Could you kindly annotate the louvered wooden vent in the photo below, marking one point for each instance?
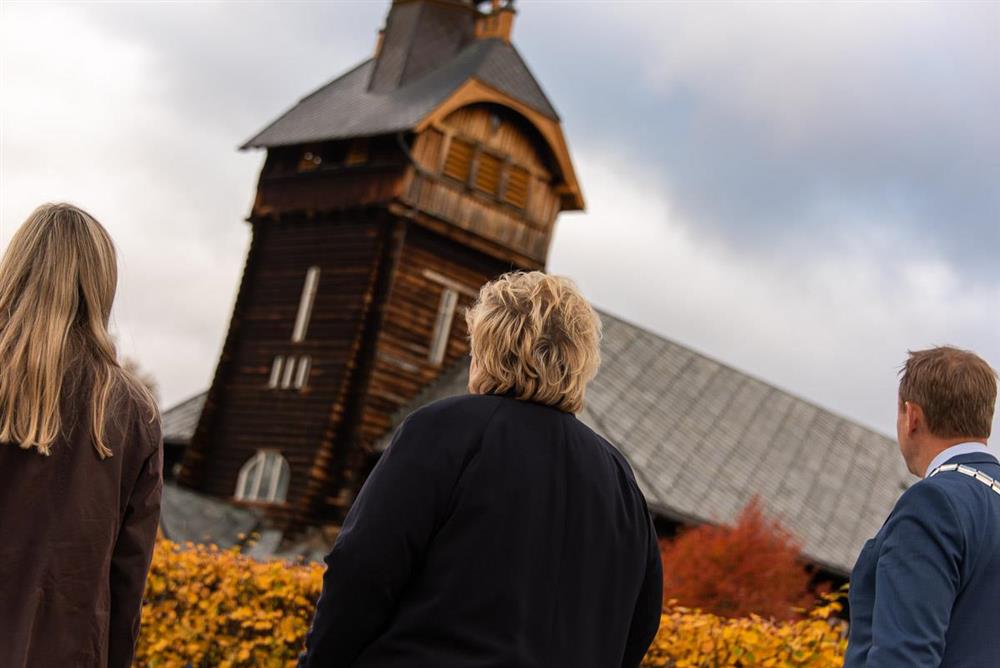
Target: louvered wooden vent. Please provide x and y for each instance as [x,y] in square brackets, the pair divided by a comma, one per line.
[488,173]
[516,192]
[459,160]
[491,172]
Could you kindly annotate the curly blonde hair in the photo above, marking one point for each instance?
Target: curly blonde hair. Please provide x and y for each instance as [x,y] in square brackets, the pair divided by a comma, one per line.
[536,337]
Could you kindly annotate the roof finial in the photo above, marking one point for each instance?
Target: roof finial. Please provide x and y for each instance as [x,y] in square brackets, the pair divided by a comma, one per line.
[498,22]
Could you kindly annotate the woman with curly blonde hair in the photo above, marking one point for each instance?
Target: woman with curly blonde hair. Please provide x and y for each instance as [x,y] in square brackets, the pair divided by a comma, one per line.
[497,529]
[80,453]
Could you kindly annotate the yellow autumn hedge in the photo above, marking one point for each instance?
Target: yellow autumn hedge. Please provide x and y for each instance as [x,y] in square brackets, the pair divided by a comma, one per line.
[693,639]
[207,607]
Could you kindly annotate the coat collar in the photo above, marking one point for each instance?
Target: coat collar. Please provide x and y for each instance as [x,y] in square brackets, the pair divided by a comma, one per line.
[959,449]
[973,458]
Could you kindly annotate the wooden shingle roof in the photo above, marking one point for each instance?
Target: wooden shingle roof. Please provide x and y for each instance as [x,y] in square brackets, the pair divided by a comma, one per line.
[346,107]
[703,438]
[179,422]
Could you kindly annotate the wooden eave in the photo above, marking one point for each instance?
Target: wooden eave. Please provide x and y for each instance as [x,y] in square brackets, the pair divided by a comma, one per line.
[475,91]
[468,238]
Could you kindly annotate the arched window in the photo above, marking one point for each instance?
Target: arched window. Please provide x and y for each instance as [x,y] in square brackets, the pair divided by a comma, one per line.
[264,478]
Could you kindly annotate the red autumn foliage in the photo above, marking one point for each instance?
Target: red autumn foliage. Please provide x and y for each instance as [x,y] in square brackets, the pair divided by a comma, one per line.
[751,567]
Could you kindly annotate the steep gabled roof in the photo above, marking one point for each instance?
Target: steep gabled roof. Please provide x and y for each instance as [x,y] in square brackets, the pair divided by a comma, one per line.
[703,438]
[346,108]
[179,422]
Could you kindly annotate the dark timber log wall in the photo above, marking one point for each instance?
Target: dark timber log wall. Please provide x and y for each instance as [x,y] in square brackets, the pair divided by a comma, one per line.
[407,185]
[401,366]
[244,415]
[389,236]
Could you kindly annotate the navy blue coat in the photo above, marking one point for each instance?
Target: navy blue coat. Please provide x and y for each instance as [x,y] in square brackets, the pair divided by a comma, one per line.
[926,590]
[492,533]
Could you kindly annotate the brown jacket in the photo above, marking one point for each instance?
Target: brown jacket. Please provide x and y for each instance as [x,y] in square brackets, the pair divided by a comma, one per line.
[76,539]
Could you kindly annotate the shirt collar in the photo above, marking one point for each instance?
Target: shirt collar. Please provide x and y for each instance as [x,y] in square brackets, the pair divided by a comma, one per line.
[955,451]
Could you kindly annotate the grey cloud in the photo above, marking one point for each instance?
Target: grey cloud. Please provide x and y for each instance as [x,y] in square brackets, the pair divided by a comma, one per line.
[833,329]
[781,140]
[887,120]
[233,67]
[812,119]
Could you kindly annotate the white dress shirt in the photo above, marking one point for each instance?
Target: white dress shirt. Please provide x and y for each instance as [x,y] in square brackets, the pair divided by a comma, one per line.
[955,451]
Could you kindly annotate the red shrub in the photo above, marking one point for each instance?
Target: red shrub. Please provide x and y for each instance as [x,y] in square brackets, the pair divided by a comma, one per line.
[750,567]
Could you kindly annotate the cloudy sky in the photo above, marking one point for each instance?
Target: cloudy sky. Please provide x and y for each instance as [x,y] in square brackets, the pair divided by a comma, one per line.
[804,191]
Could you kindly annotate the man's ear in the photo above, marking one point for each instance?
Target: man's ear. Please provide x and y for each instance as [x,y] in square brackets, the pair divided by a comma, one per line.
[915,420]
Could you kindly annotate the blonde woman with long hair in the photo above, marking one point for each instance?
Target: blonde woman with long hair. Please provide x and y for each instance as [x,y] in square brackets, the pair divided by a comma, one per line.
[80,453]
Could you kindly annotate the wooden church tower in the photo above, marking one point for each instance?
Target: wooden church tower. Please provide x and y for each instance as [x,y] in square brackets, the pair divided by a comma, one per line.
[387,198]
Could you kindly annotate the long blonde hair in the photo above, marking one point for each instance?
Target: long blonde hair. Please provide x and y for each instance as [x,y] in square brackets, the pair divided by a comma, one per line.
[535,336]
[57,283]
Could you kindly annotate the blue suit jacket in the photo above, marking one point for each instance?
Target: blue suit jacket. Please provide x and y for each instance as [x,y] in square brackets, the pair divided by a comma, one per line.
[926,590]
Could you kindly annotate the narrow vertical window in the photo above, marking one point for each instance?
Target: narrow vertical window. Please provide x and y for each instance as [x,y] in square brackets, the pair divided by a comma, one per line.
[306,305]
[272,382]
[302,374]
[442,326]
[248,482]
[264,478]
[286,377]
[278,488]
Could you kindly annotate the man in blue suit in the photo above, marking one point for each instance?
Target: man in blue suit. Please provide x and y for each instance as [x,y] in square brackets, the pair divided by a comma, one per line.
[925,590]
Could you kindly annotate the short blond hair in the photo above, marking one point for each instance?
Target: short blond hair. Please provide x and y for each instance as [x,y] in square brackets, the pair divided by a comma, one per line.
[534,336]
[956,389]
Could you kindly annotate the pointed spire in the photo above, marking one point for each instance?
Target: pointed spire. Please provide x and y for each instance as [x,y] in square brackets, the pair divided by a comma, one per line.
[418,36]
